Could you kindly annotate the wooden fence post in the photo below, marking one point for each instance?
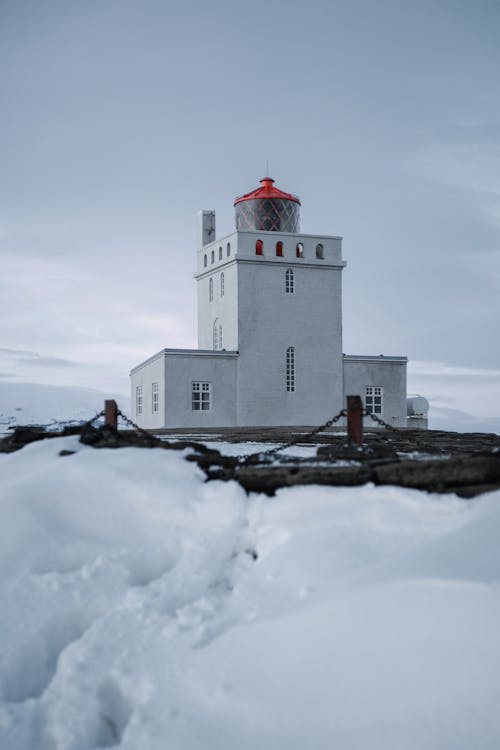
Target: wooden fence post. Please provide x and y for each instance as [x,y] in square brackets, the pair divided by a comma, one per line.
[111,414]
[355,420]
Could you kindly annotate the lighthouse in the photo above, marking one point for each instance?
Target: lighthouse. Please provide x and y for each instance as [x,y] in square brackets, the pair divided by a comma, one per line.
[269,331]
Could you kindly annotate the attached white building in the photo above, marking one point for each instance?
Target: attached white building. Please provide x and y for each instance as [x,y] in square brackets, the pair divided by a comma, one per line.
[269,332]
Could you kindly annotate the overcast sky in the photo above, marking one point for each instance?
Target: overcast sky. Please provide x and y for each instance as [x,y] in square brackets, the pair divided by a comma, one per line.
[121,119]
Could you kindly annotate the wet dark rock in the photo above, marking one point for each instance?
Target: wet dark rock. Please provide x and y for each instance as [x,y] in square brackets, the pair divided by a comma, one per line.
[440,476]
[433,460]
[268,479]
[21,436]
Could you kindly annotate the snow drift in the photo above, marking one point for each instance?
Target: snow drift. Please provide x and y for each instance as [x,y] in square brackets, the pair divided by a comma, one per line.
[144,608]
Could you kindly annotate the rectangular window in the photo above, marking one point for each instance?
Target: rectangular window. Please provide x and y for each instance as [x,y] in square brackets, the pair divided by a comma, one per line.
[290,369]
[138,399]
[155,398]
[200,396]
[373,398]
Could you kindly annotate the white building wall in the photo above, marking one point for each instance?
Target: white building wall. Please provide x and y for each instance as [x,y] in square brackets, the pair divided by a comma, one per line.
[388,372]
[224,309]
[176,370]
[332,246]
[144,375]
[219,369]
[270,320]
[224,250]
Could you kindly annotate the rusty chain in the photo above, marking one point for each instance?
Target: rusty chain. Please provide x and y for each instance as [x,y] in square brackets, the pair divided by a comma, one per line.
[136,427]
[295,441]
[90,422]
[278,448]
[260,454]
[381,422]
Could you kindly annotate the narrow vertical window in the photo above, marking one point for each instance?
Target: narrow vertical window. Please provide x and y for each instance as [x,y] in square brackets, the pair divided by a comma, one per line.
[212,256]
[215,334]
[220,337]
[290,369]
[222,284]
[200,396]
[138,399]
[205,261]
[220,253]
[259,247]
[373,398]
[155,398]
[299,250]
[320,251]
[228,249]
[279,249]
[289,281]
[210,289]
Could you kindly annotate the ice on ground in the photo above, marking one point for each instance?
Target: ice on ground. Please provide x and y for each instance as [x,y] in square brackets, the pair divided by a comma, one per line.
[142,607]
[249,448]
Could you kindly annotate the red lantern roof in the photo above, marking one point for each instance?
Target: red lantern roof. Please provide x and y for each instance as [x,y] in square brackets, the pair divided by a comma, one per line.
[267,190]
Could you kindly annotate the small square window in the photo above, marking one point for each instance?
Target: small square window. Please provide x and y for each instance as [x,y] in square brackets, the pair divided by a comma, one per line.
[373,399]
[200,396]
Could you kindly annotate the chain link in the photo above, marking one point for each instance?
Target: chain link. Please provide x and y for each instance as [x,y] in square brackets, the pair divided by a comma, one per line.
[316,431]
[295,441]
[261,454]
[380,421]
[135,426]
[90,422]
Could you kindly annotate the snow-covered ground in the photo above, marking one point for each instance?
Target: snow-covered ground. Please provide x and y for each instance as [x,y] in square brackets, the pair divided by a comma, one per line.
[34,403]
[144,608]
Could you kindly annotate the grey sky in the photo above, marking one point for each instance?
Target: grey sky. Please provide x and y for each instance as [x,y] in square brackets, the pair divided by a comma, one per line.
[121,119]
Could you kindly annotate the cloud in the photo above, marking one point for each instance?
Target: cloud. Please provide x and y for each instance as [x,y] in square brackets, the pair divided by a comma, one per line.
[441,370]
[475,390]
[16,353]
[33,358]
[469,160]
[48,361]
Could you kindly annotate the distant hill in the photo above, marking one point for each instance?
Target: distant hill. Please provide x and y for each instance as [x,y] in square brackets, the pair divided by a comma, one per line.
[441,418]
[33,403]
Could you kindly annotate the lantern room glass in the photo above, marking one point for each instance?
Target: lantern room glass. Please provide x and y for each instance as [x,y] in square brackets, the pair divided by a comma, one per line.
[267,215]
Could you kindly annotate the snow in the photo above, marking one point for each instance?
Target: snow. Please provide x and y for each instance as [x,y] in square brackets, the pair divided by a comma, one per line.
[134,612]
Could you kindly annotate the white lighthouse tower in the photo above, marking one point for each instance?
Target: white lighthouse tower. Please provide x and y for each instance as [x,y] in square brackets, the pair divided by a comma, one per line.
[269,331]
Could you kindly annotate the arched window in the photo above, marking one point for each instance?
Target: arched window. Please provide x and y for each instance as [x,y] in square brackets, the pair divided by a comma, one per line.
[279,249]
[289,281]
[213,256]
[210,290]
[220,337]
[216,334]
[320,251]
[205,261]
[228,249]
[259,247]
[290,369]
[222,284]
[299,250]
[220,253]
